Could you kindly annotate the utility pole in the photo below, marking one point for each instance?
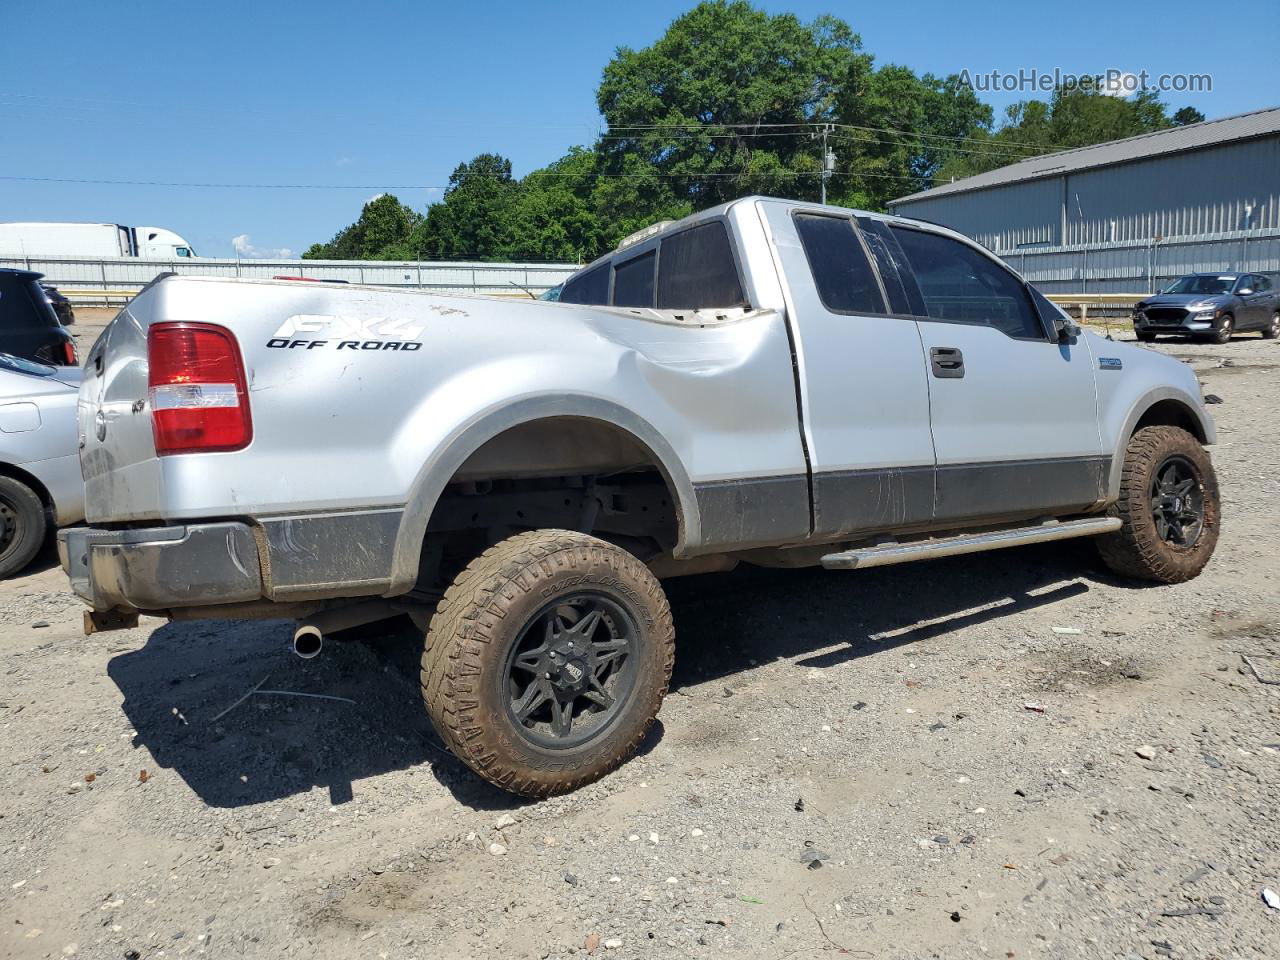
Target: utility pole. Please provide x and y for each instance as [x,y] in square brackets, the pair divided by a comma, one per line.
[828,160]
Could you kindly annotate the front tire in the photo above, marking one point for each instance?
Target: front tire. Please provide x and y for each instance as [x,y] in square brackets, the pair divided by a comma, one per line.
[23,525]
[547,660]
[1168,506]
[1225,329]
[1144,337]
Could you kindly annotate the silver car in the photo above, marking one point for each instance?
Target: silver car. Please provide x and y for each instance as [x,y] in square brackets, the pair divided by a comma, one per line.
[40,484]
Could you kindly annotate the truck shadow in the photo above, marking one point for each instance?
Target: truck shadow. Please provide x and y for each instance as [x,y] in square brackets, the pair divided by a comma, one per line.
[292,735]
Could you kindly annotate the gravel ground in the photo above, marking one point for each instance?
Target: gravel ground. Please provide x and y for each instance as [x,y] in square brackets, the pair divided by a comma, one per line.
[1012,755]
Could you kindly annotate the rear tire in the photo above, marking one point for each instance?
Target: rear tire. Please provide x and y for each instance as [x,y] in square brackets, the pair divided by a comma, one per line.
[547,660]
[1145,337]
[23,525]
[1272,329]
[1168,506]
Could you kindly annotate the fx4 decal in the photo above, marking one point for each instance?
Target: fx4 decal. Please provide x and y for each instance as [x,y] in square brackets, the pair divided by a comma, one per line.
[349,333]
[350,328]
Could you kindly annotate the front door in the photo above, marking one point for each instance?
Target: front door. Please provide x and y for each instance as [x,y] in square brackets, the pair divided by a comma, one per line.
[1014,413]
[864,393]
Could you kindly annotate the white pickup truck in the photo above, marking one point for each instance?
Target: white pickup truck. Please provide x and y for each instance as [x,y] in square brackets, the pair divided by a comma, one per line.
[765,382]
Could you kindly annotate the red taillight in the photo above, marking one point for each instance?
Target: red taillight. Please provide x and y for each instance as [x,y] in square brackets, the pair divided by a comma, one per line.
[69,353]
[199,402]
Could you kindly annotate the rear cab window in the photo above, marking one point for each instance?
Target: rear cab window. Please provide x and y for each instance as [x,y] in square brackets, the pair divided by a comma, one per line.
[697,269]
[841,272]
[633,281]
[693,269]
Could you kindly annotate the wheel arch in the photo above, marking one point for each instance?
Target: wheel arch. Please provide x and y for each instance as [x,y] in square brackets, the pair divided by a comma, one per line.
[1162,407]
[469,440]
[31,480]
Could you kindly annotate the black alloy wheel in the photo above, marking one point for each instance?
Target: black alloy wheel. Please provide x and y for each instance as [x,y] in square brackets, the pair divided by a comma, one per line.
[571,670]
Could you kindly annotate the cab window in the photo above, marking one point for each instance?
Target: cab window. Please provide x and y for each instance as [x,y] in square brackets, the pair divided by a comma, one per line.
[633,281]
[841,271]
[696,269]
[961,285]
[591,287]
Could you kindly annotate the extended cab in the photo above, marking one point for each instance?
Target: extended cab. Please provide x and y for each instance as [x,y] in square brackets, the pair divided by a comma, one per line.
[765,382]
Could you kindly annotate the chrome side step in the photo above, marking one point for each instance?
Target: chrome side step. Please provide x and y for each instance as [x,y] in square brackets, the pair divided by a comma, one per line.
[882,555]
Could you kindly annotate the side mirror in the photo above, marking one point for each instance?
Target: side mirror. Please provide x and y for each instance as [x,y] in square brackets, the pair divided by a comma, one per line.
[1244,291]
[1063,328]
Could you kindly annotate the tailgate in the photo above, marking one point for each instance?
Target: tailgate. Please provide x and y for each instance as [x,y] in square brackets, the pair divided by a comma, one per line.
[117,454]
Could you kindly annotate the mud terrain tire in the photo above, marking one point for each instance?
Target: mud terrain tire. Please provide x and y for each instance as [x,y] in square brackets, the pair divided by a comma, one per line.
[504,638]
[1166,474]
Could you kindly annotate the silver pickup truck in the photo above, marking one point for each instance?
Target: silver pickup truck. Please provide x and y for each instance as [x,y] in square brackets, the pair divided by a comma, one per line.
[766,382]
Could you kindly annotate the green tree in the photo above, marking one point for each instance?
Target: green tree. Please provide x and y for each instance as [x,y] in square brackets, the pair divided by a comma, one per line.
[384,224]
[730,101]
[1186,116]
[718,104]
[474,219]
[897,132]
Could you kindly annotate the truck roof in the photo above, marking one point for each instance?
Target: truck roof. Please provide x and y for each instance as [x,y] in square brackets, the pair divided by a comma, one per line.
[672,226]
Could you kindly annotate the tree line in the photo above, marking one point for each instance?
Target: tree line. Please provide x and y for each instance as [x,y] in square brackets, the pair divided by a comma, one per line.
[732,101]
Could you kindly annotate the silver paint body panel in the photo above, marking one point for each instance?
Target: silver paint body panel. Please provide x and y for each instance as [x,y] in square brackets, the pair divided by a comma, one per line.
[743,409]
[38,435]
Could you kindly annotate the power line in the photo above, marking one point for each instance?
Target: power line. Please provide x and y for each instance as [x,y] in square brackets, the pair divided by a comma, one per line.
[845,138]
[383,187]
[815,125]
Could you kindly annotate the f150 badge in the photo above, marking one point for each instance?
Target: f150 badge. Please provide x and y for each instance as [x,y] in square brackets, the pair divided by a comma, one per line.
[348,333]
[1110,363]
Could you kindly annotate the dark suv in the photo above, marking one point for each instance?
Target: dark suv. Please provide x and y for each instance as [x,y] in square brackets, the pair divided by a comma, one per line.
[1212,305]
[29,327]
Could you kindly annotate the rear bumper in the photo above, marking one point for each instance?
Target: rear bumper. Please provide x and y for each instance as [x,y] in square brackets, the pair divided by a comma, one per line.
[206,564]
[159,568]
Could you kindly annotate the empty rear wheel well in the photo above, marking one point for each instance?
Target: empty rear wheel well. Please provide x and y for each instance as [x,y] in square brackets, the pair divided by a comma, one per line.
[1171,413]
[568,473]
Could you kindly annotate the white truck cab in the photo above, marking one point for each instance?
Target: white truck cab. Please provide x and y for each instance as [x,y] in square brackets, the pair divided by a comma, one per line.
[157,243]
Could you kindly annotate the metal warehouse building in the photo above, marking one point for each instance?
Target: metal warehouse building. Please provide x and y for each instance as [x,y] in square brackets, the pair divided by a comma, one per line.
[1130,215]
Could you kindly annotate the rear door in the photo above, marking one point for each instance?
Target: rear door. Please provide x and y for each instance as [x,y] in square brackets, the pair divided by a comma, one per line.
[1013,412]
[863,385]
[1255,301]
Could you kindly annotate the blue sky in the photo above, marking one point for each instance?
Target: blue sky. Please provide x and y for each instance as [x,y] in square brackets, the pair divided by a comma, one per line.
[381,95]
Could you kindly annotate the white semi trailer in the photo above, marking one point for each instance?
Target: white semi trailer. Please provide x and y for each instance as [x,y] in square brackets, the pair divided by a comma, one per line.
[91,240]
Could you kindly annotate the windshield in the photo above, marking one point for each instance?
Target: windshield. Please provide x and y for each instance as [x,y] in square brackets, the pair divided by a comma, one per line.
[552,294]
[9,362]
[1199,284]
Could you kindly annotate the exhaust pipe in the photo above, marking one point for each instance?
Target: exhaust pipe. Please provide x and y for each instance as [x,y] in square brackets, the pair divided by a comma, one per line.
[308,641]
[308,636]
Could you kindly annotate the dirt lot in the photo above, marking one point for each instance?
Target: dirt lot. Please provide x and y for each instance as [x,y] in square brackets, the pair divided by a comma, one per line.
[848,763]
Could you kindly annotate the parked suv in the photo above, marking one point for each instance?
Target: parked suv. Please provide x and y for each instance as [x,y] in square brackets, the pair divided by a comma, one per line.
[29,327]
[766,382]
[1211,305]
